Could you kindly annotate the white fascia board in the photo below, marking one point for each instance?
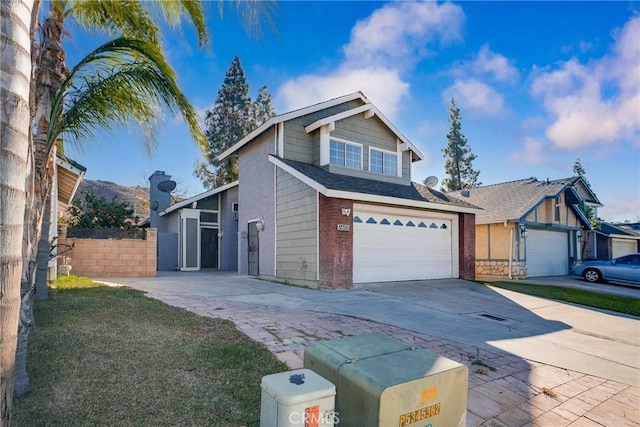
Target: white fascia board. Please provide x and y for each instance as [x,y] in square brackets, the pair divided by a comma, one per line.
[289,116]
[362,197]
[398,133]
[198,197]
[336,117]
[374,198]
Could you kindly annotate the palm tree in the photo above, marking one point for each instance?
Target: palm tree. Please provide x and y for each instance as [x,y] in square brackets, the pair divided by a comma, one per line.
[126,79]
[15,86]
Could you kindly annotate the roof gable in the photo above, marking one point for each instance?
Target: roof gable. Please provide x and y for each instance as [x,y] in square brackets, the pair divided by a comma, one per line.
[367,108]
[511,201]
[198,197]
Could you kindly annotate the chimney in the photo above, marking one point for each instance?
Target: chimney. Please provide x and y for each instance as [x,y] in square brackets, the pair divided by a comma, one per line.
[159,200]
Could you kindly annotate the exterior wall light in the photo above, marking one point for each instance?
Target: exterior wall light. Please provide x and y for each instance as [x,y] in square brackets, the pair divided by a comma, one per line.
[260,225]
[346,211]
[220,235]
[579,235]
[523,230]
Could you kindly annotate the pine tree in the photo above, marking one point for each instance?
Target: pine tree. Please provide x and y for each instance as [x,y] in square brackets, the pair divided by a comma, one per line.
[233,116]
[262,110]
[578,170]
[458,155]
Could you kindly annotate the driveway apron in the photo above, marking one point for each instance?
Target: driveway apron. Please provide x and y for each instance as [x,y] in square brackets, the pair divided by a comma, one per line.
[531,360]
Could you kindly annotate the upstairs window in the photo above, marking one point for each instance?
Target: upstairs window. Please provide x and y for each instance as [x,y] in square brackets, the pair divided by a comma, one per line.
[556,210]
[383,162]
[343,153]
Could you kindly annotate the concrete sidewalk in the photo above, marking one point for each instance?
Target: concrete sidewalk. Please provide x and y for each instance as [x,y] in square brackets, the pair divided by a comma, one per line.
[531,361]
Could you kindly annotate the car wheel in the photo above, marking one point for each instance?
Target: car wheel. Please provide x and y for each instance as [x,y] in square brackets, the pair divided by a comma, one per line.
[592,275]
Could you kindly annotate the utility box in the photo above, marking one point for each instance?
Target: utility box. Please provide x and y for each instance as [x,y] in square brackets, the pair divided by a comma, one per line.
[383,382]
[299,398]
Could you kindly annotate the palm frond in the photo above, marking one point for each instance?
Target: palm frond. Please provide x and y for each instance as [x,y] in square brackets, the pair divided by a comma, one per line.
[125,81]
[174,10]
[117,18]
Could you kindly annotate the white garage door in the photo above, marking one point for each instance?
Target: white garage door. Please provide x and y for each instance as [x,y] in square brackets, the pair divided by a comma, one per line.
[620,247]
[547,253]
[398,244]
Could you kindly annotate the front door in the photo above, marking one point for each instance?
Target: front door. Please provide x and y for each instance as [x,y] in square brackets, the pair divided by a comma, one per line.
[209,248]
[253,243]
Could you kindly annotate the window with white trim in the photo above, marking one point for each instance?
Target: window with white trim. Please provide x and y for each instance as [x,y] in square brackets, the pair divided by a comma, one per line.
[343,153]
[384,162]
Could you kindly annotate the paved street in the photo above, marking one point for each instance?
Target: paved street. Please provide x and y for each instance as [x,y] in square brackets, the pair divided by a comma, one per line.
[531,361]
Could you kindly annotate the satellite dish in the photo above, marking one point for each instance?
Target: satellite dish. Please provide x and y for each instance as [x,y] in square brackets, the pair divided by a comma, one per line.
[431,181]
[167,186]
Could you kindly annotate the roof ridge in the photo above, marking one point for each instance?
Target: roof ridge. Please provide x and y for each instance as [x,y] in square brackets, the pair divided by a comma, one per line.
[532,179]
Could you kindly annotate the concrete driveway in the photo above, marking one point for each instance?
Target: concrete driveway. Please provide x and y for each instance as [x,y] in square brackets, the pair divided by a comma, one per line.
[590,341]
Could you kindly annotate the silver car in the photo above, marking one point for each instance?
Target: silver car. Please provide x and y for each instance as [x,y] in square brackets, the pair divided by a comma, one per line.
[623,269]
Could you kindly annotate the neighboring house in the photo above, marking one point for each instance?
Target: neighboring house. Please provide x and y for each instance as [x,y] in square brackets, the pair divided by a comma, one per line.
[67,177]
[326,199]
[197,233]
[611,241]
[530,228]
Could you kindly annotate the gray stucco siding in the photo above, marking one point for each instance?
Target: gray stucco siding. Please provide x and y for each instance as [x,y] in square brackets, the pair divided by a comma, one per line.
[296,207]
[256,199]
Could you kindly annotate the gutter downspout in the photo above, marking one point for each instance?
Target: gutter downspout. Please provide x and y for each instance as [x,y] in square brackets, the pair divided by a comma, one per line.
[510,248]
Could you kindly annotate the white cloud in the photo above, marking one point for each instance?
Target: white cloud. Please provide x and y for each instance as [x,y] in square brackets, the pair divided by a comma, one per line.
[382,47]
[597,102]
[382,86]
[532,152]
[494,65]
[475,96]
[403,31]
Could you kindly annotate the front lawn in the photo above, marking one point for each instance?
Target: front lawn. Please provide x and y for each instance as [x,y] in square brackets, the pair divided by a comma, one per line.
[618,303]
[111,356]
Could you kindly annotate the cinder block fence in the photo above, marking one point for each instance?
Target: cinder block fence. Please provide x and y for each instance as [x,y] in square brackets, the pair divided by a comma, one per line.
[110,257]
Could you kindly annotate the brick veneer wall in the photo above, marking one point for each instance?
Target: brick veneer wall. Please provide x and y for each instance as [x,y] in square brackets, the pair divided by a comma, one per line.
[111,257]
[336,247]
[467,245]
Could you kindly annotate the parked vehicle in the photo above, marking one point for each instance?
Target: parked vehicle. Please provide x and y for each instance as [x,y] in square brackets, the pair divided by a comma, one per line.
[623,269]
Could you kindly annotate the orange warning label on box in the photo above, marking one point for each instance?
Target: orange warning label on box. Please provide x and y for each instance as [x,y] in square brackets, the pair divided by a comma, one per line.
[312,416]
[429,393]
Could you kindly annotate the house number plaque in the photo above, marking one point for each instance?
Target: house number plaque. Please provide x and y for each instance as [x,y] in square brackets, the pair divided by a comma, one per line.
[344,227]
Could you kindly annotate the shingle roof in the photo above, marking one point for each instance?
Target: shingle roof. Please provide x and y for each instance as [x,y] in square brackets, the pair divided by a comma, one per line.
[512,200]
[415,191]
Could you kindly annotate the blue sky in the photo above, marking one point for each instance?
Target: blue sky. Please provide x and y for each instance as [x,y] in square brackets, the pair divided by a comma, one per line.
[539,85]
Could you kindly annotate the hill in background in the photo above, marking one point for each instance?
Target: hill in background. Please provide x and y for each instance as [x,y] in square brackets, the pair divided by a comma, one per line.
[137,197]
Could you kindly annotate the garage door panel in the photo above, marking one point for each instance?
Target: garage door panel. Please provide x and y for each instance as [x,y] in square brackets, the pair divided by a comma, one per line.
[547,253]
[384,250]
[621,247]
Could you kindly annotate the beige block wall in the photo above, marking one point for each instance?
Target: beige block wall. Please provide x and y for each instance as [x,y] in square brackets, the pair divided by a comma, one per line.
[112,257]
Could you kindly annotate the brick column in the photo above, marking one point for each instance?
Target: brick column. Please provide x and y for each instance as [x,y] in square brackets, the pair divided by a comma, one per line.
[467,245]
[336,246]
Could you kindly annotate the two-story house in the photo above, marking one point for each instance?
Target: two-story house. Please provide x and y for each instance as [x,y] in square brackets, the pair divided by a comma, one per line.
[326,198]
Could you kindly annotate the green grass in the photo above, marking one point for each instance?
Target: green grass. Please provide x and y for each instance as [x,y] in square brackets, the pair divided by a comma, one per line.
[618,303]
[111,356]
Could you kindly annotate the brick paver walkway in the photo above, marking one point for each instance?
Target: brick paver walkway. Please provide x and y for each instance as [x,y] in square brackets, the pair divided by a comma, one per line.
[504,390]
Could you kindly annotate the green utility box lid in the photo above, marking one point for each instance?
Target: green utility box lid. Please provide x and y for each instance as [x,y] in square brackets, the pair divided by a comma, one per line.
[383,382]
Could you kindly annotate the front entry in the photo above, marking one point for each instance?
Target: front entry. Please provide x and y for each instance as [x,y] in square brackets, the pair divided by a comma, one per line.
[208,248]
[254,246]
